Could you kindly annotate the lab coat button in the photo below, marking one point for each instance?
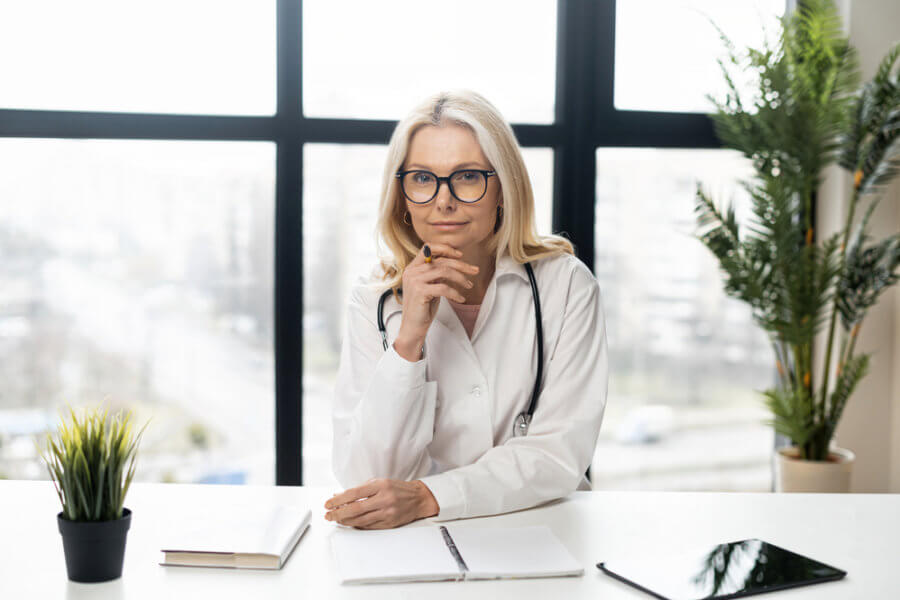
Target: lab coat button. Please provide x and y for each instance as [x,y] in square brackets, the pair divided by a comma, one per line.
[476,391]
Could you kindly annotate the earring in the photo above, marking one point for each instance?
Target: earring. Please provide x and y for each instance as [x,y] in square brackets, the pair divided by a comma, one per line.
[500,211]
[406,214]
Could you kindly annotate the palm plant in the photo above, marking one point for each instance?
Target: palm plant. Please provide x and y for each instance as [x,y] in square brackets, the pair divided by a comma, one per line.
[808,112]
[91,462]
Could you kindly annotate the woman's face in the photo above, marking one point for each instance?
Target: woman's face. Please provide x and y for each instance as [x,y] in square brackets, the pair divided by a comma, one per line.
[443,150]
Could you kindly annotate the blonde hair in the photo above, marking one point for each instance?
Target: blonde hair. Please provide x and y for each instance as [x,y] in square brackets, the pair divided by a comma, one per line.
[516,234]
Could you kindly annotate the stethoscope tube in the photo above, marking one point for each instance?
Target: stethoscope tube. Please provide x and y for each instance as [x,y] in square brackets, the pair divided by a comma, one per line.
[539,330]
[523,420]
[381,327]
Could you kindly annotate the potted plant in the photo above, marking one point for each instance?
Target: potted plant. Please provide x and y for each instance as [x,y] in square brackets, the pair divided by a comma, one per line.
[808,112]
[91,463]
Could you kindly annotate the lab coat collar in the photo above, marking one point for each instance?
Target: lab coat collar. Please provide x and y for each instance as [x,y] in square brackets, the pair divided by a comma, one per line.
[507,264]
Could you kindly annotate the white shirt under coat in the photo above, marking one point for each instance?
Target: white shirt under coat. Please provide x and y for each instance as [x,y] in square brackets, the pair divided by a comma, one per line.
[447,419]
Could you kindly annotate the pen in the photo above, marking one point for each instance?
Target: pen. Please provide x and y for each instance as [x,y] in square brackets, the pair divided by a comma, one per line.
[427,252]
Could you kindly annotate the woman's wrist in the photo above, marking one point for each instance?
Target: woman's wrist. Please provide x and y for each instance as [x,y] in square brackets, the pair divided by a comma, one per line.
[409,347]
[428,506]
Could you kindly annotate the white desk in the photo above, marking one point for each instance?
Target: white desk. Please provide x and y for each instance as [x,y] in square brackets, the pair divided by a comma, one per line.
[858,533]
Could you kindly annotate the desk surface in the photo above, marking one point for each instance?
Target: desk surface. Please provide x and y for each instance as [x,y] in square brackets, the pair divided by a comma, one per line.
[855,532]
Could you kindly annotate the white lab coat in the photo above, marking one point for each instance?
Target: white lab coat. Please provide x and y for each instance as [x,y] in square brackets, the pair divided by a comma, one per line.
[447,419]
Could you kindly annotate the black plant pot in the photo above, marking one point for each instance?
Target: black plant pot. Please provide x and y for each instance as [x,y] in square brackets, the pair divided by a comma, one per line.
[95,550]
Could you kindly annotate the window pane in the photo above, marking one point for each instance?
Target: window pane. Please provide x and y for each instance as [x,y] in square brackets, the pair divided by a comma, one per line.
[539,162]
[371,60]
[168,56]
[685,360]
[140,274]
[340,205]
[341,184]
[668,62]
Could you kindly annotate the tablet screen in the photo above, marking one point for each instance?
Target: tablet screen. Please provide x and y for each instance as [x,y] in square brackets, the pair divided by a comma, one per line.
[730,570]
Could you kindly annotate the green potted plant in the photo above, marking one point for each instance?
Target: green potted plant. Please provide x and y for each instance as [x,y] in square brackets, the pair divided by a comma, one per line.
[807,112]
[91,463]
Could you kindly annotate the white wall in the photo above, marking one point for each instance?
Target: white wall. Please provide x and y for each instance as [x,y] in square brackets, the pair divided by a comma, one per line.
[871,422]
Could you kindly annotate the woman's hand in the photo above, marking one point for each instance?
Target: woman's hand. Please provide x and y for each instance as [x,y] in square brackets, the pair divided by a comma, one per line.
[382,504]
[423,285]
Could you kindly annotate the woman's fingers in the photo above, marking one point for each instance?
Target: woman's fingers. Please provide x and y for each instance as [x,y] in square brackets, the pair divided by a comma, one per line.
[437,249]
[363,491]
[462,267]
[450,270]
[448,274]
[434,290]
[365,521]
[354,510]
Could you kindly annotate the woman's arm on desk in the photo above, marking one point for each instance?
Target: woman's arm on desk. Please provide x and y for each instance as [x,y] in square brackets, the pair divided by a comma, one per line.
[382,404]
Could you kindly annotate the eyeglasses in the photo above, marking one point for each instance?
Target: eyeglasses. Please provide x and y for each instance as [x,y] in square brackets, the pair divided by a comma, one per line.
[467,185]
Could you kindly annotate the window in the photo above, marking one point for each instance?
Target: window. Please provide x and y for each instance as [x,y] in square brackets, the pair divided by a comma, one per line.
[146,270]
[370,60]
[166,56]
[139,273]
[666,51]
[685,360]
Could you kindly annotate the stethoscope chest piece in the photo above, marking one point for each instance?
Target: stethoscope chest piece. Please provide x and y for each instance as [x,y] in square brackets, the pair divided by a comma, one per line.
[520,427]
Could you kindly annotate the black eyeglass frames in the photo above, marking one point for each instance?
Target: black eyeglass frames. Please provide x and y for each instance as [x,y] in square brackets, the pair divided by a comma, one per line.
[466,185]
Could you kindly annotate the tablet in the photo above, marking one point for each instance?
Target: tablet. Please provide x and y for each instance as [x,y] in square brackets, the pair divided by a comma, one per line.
[731,570]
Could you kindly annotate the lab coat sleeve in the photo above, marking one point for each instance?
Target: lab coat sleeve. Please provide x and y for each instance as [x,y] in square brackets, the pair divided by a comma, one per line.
[550,461]
[383,412]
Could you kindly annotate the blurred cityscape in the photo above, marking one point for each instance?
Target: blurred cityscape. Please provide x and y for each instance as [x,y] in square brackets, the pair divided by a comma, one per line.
[685,360]
[139,275]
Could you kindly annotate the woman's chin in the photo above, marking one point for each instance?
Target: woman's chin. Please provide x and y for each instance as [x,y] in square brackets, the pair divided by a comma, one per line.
[443,236]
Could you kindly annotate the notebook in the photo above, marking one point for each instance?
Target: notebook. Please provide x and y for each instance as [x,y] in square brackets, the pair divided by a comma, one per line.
[450,554]
[246,537]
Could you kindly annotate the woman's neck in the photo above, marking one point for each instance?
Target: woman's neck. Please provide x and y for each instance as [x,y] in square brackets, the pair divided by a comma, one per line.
[486,264]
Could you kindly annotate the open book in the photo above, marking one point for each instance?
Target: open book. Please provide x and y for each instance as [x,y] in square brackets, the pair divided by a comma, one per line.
[454,553]
[247,538]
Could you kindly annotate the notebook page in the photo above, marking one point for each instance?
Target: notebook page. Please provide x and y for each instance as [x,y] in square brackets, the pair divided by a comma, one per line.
[513,552]
[412,554]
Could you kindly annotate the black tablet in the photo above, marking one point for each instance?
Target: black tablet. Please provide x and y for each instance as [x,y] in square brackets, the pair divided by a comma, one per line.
[732,570]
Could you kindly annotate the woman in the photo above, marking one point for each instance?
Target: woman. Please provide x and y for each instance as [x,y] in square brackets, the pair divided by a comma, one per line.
[423,425]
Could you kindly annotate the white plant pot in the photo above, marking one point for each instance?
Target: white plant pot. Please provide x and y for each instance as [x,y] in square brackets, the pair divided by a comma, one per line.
[793,474]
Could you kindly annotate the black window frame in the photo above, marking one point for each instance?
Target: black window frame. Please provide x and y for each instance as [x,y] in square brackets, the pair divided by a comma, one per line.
[585,119]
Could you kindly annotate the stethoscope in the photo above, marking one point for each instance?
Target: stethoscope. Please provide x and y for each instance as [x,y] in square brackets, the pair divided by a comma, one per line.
[520,427]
